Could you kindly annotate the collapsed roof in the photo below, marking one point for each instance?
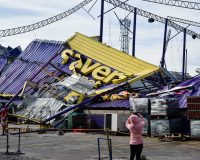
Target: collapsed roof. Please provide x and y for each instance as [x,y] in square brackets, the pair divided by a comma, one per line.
[135,68]
[103,59]
[27,64]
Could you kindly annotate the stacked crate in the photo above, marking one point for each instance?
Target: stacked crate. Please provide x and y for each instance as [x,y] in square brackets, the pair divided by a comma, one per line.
[166,117]
[162,114]
[159,116]
[159,127]
[141,105]
[193,107]
[193,112]
[166,107]
[145,129]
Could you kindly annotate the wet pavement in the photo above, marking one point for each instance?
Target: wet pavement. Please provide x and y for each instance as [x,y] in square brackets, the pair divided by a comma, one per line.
[84,146]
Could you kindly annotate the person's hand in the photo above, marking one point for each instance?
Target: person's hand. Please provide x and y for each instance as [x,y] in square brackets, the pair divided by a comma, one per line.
[139,114]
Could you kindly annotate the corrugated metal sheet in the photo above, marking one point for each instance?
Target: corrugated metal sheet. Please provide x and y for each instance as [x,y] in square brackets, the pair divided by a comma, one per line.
[121,104]
[8,55]
[182,91]
[16,102]
[195,82]
[3,62]
[40,108]
[31,59]
[111,57]
[77,83]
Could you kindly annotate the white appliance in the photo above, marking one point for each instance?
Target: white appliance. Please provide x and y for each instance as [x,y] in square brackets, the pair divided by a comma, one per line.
[115,122]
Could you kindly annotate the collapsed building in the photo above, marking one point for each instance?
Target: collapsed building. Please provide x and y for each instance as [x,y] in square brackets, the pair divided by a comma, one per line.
[82,83]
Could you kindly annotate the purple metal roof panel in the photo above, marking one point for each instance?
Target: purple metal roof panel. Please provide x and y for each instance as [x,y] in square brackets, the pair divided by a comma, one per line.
[111,104]
[16,102]
[32,58]
[192,81]
[195,82]
[3,62]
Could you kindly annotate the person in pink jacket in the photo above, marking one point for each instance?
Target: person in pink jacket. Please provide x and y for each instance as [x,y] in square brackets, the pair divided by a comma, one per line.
[135,124]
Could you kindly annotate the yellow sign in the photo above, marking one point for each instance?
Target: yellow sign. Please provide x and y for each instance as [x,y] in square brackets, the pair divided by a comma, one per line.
[99,72]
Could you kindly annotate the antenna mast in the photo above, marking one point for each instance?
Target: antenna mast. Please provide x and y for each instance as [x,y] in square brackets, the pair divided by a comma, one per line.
[124,34]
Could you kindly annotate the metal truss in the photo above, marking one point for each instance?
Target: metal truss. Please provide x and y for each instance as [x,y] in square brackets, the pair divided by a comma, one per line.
[146,14]
[177,3]
[168,39]
[28,28]
[197,24]
[124,31]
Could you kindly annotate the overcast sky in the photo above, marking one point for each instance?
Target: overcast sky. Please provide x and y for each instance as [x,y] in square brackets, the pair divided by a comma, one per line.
[149,36]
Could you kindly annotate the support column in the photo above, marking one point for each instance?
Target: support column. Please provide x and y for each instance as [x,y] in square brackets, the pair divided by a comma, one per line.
[184,46]
[101,21]
[149,119]
[162,63]
[186,55]
[134,31]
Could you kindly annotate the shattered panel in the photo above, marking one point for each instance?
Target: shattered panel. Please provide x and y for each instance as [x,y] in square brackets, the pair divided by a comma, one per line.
[40,108]
[78,84]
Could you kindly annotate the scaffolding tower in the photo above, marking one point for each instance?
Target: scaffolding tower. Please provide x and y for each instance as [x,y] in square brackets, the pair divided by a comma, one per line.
[124,34]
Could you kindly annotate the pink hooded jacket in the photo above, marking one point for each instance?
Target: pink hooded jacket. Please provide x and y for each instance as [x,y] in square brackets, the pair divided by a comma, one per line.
[135,125]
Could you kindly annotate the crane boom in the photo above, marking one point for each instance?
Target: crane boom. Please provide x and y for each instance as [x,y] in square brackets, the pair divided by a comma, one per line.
[177,3]
[151,15]
[34,26]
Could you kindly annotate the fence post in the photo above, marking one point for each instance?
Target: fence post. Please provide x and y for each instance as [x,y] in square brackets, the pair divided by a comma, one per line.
[7,142]
[19,142]
[99,149]
[108,141]
[110,148]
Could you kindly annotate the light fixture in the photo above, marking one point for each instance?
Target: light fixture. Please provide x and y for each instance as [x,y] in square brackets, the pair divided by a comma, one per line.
[150,20]
[194,36]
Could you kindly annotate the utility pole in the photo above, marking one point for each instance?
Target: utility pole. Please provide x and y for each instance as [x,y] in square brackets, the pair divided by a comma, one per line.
[162,63]
[134,31]
[101,21]
[184,46]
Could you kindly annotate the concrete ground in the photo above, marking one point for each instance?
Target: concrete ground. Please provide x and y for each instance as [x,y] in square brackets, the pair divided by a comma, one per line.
[84,146]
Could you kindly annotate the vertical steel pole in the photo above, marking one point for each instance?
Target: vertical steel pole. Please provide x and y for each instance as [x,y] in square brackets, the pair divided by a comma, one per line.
[134,31]
[108,142]
[7,141]
[99,149]
[149,118]
[101,21]
[186,61]
[162,63]
[110,149]
[184,46]
[19,142]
